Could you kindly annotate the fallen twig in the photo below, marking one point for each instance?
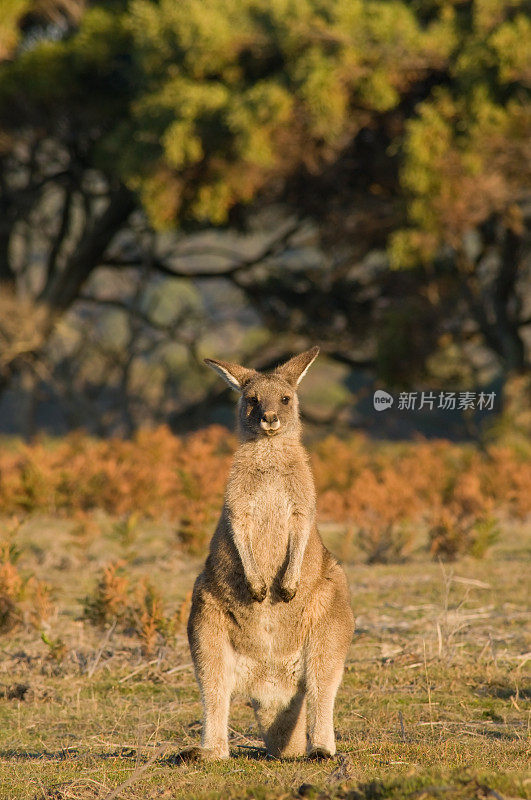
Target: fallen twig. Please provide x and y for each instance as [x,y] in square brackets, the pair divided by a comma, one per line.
[179,668]
[137,670]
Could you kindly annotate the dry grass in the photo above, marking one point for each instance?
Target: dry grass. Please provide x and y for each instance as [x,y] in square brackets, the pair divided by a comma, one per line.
[434,702]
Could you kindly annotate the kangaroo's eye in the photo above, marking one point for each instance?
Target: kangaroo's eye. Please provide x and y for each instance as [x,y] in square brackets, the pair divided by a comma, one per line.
[285,399]
[253,400]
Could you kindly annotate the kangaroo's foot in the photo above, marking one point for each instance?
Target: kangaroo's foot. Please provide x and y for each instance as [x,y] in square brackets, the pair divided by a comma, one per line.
[193,754]
[317,753]
[213,753]
[290,750]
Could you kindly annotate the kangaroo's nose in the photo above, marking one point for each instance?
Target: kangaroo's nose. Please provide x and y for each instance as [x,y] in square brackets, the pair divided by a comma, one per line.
[269,422]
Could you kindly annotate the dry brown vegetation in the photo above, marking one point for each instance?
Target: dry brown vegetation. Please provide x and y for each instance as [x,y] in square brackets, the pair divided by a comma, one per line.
[24,600]
[100,544]
[136,608]
[383,493]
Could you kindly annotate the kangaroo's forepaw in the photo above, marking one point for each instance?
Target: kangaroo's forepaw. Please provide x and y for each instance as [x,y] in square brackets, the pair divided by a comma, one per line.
[319,754]
[287,591]
[257,590]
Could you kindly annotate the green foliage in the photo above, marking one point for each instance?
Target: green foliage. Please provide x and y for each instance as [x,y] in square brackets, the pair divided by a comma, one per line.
[197,105]
[202,107]
[56,647]
[83,83]
[466,153]
[249,89]
[10,16]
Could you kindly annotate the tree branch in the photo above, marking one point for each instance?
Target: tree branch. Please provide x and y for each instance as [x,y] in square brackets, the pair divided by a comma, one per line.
[476,308]
[132,311]
[227,272]
[345,358]
[66,285]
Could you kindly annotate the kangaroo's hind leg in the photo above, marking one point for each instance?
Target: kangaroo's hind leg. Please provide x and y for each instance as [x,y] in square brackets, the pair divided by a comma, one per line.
[214,668]
[326,652]
[283,725]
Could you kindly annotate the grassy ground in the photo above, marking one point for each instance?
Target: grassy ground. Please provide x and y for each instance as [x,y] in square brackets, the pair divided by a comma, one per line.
[434,701]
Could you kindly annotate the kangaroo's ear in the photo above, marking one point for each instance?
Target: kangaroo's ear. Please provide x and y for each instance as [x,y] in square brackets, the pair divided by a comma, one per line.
[232,374]
[296,368]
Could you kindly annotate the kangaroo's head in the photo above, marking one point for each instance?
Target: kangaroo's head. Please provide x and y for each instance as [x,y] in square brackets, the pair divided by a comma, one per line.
[268,405]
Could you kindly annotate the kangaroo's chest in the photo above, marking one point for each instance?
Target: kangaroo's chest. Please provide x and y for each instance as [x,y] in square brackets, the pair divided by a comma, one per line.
[270,507]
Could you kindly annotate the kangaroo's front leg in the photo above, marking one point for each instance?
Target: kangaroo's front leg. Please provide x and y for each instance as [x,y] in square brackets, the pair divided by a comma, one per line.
[301,490]
[214,668]
[298,539]
[241,524]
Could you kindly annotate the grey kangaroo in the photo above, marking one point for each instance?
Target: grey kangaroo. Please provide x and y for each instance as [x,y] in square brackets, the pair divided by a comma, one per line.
[270,616]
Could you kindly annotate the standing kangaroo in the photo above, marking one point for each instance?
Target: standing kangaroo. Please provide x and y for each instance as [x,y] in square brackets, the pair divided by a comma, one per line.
[270,614]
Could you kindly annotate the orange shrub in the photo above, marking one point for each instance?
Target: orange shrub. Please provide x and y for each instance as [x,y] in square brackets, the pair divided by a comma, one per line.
[23,600]
[374,488]
[139,609]
[155,474]
[110,598]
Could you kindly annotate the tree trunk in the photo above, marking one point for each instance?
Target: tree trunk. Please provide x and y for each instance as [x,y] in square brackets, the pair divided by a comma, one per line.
[65,287]
[7,276]
[500,328]
[511,344]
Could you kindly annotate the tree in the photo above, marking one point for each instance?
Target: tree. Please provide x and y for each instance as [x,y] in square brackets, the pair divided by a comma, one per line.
[467,172]
[372,118]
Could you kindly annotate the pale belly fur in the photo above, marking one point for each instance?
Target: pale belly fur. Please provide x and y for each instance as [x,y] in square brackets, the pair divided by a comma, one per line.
[267,667]
[269,672]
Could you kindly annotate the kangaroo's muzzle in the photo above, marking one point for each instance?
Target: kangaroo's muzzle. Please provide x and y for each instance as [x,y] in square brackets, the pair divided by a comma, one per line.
[270,423]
